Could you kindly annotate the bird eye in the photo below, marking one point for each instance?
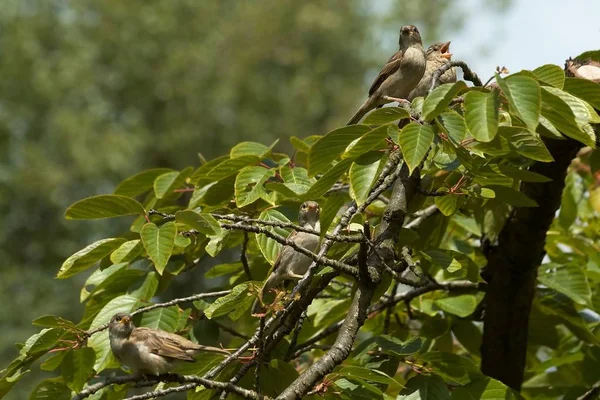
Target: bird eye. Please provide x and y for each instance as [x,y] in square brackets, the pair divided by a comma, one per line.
[118,318]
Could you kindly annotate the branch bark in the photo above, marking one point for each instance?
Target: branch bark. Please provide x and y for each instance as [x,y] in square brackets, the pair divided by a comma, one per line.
[512,269]
[386,238]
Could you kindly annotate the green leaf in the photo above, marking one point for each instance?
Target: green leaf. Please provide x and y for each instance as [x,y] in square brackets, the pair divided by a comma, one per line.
[140,183]
[363,174]
[570,198]
[214,194]
[368,374]
[230,303]
[203,223]
[51,321]
[357,389]
[526,143]
[569,279]
[439,99]
[461,305]
[229,167]
[126,252]
[88,256]
[455,125]
[223,269]
[367,142]
[165,184]
[269,247]
[325,182]
[448,204]
[330,146]
[77,367]
[522,174]
[249,149]
[568,114]
[148,288]
[164,318]
[385,115]
[332,206]
[249,184]
[104,206]
[485,388]
[481,114]
[524,98]
[452,367]
[391,345]
[584,89]
[424,387]
[201,172]
[511,196]
[551,74]
[51,389]
[415,140]
[299,144]
[159,243]
[589,55]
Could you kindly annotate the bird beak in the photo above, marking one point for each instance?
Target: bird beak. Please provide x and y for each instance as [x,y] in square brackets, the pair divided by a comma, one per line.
[125,320]
[445,50]
[313,207]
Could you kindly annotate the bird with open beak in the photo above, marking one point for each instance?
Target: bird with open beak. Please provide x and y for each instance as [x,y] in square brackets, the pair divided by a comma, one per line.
[437,55]
[399,76]
[291,264]
[150,351]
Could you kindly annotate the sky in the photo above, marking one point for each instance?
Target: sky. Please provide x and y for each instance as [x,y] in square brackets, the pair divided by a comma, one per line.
[529,34]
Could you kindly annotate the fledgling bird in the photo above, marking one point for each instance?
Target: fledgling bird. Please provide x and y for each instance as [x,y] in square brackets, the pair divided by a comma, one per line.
[289,263]
[437,55]
[150,351]
[399,76]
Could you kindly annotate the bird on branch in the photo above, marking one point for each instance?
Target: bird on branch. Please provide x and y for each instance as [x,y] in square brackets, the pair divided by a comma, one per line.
[291,264]
[399,76]
[437,55]
[150,351]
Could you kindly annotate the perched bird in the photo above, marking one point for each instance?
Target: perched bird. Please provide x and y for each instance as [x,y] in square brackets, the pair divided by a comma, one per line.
[399,76]
[147,350]
[437,55]
[289,263]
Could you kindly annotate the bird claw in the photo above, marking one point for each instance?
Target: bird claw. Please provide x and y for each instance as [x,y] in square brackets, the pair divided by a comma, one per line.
[396,99]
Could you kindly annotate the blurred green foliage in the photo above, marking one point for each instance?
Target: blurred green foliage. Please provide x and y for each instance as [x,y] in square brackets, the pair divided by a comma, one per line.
[93,91]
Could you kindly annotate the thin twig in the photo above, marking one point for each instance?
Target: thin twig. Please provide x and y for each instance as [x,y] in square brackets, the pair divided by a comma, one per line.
[281,224]
[244,256]
[195,297]
[421,216]
[191,380]
[319,259]
[467,74]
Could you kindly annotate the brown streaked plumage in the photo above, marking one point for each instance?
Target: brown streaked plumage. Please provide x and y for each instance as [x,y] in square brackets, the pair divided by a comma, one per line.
[289,263]
[437,55]
[399,76]
[150,351]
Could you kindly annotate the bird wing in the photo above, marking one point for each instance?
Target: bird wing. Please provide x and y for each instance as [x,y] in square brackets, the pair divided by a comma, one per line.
[388,69]
[164,343]
[278,260]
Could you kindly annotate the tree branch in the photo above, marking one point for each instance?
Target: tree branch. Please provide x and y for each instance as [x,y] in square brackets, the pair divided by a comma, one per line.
[386,238]
[512,272]
[193,382]
[280,224]
[467,74]
[345,268]
[173,302]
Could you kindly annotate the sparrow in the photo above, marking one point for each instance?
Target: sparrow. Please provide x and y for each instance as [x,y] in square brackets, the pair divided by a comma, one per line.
[437,55]
[150,351]
[399,76]
[289,263]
